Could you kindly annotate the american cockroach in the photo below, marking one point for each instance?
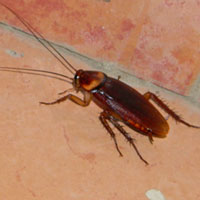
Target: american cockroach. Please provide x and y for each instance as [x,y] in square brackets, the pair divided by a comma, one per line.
[119,102]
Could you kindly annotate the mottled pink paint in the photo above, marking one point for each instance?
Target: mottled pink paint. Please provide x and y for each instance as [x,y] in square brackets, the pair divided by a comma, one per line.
[140,36]
[50,5]
[171,3]
[198,2]
[108,46]
[127,25]
[96,33]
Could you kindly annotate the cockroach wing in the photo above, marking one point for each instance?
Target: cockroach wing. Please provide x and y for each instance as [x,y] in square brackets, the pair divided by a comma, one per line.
[129,106]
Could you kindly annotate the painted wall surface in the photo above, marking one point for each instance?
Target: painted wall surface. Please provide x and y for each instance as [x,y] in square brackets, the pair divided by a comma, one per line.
[157,40]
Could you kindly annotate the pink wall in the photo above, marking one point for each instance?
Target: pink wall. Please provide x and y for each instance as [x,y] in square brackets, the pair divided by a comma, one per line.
[155,40]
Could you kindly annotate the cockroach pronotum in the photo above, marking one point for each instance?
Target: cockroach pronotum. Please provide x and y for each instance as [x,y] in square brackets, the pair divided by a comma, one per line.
[119,101]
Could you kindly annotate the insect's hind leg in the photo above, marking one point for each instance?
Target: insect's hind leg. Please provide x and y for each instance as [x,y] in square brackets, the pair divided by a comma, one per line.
[162,105]
[103,118]
[128,137]
[85,102]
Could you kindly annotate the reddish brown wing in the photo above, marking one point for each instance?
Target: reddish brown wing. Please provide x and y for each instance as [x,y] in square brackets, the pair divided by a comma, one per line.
[132,107]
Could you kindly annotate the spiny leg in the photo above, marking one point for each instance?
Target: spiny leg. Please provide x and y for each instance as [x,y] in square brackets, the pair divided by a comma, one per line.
[73,98]
[162,105]
[150,135]
[128,137]
[103,118]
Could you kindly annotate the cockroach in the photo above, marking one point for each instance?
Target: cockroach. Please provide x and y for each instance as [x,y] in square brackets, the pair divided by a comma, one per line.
[119,102]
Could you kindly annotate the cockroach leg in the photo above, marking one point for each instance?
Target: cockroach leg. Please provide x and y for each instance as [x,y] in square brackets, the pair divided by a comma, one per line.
[57,101]
[103,118]
[150,135]
[85,102]
[128,137]
[162,105]
[118,77]
[65,91]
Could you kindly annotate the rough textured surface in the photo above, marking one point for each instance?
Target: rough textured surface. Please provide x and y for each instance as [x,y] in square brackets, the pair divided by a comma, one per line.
[63,152]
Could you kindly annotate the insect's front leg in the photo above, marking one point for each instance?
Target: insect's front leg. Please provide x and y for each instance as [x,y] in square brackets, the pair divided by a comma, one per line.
[82,102]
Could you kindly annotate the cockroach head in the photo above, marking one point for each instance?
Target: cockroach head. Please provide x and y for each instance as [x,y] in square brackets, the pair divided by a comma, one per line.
[88,80]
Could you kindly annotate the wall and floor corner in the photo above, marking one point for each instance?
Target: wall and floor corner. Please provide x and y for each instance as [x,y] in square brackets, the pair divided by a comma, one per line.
[63,151]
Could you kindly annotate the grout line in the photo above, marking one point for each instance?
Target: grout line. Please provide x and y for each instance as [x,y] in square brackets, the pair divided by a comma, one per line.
[115,69]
